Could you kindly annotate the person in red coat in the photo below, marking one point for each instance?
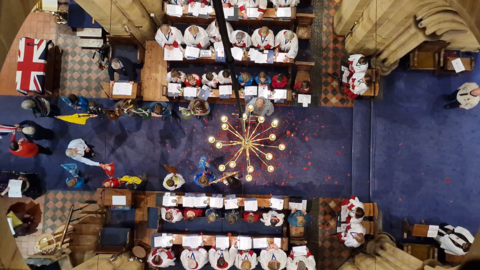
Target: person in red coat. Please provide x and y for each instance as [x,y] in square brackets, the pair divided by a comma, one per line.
[303,87]
[26,149]
[279,81]
[193,80]
[190,213]
[250,217]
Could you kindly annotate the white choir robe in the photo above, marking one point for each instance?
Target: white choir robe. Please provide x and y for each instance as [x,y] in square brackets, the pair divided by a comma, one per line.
[178,2]
[353,61]
[174,38]
[213,83]
[290,47]
[352,206]
[309,260]
[268,255]
[178,179]
[199,255]
[285,3]
[446,241]
[179,79]
[260,4]
[206,2]
[168,258]
[357,84]
[260,42]
[223,80]
[246,42]
[214,33]
[201,40]
[230,3]
[350,232]
[229,257]
[267,216]
[244,255]
[177,214]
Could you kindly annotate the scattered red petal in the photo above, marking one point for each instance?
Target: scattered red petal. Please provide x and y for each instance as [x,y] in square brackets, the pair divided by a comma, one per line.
[309,164]
[348,174]
[306,139]
[335,183]
[323,126]
[288,132]
[329,177]
[338,153]
[291,176]
[186,229]
[305,168]
[400,199]
[451,201]
[447,180]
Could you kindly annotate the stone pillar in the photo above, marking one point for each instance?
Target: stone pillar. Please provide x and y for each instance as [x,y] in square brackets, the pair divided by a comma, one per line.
[138,15]
[154,7]
[348,12]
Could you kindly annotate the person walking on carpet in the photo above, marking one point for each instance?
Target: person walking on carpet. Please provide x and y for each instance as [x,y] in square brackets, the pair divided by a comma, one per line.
[81,152]
[34,132]
[25,148]
[465,97]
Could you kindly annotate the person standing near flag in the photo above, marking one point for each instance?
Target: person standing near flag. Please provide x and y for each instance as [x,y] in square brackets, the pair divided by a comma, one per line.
[25,148]
[81,152]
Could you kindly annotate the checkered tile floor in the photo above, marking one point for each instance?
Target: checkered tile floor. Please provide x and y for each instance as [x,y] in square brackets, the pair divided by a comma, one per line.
[57,206]
[331,252]
[80,74]
[333,54]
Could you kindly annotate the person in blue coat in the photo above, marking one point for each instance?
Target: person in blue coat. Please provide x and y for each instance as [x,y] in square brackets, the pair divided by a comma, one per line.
[160,109]
[75,180]
[299,218]
[232,216]
[212,215]
[263,79]
[245,79]
[76,102]
[205,177]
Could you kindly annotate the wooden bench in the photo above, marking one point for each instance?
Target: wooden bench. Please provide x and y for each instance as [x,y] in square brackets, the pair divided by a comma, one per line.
[375,89]
[371,227]
[304,25]
[269,18]
[371,210]
[303,71]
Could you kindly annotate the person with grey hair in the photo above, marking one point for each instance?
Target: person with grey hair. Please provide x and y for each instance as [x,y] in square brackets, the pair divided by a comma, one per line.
[81,152]
[261,106]
[287,41]
[40,107]
[240,39]
[34,132]
[125,67]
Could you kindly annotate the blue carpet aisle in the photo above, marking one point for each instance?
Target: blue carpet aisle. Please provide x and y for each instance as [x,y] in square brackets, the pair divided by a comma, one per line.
[426,158]
[317,161]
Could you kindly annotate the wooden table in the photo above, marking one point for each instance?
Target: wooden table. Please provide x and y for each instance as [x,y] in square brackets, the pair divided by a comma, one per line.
[109,90]
[420,230]
[107,194]
[154,73]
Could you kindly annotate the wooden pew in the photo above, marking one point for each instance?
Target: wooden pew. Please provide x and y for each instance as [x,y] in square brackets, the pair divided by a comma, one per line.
[371,210]
[209,240]
[303,71]
[304,25]
[269,19]
[154,73]
[373,91]
[371,227]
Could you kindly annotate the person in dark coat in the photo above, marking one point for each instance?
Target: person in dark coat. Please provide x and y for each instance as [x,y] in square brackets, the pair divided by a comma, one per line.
[123,66]
[31,186]
[34,132]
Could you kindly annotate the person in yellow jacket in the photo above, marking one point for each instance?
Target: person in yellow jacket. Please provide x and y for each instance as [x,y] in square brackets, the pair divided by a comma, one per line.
[133,182]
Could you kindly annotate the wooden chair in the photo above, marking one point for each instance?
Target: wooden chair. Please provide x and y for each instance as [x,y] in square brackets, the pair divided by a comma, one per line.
[297,235]
[427,55]
[421,252]
[113,240]
[371,227]
[304,28]
[373,91]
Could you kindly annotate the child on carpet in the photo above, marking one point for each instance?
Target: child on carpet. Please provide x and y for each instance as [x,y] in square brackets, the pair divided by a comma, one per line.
[79,103]
[279,81]
[210,79]
[75,180]
[191,213]
[263,79]
[171,215]
[160,109]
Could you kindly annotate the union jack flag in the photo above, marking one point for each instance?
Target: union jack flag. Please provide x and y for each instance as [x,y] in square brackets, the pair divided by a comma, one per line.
[32,60]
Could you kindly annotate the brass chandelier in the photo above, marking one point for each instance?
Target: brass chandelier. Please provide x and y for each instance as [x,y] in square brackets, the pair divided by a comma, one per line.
[249,142]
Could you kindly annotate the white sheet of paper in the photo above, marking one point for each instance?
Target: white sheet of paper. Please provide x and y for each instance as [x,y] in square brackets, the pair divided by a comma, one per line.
[260,243]
[253,54]
[298,205]
[228,12]
[299,251]
[119,200]
[162,241]
[222,242]
[220,52]
[280,57]
[205,54]
[225,89]
[231,204]
[216,202]
[124,88]
[189,200]
[201,202]
[458,65]
[189,92]
[280,94]
[173,55]
[174,10]
[252,12]
[432,231]
[169,200]
[250,91]
[264,92]
[276,203]
[237,53]
[206,10]
[346,73]
[9,219]
[262,58]
[285,12]
[342,228]
[251,205]
[192,52]
[195,10]
[244,243]
[15,190]
[305,99]
[193,241]
[174,88]
[277,241]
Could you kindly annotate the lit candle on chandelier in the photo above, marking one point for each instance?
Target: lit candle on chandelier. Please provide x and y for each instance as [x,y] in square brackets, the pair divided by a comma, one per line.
[219,145]
[250,169]
[270,168]
[281,147]
[275,123]
[211,139]
[224,119]
[272,137]
[248,178]
[232,164]
[269,156]
[221,167]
